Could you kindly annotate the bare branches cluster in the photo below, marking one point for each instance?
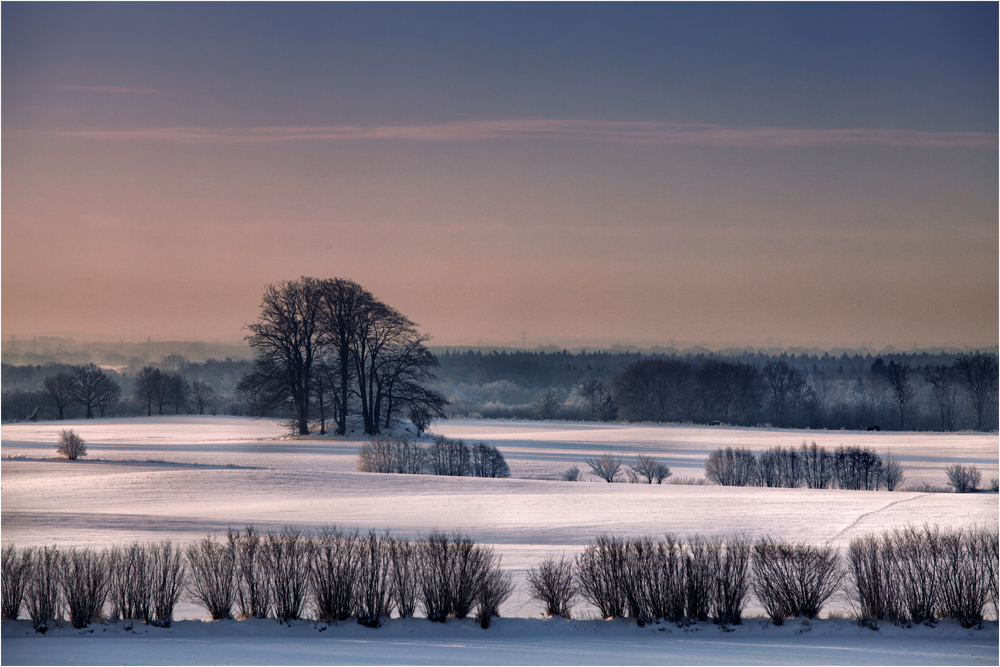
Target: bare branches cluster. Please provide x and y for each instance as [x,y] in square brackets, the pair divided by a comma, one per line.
[814,467]
[331,345]
[399,454]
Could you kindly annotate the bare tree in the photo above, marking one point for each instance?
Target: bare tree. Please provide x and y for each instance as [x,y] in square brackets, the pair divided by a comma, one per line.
[289,337]
[71,445]
[92,387]
[341,310]
[203,395]
[892,473]
[964,479]
[16,573]
[546,406]
[59,392]
[606,466]
[150,387]
[178,391]
[902,390]
[786,386]
[403,377]
[651,469]
[978,374]
[944,382]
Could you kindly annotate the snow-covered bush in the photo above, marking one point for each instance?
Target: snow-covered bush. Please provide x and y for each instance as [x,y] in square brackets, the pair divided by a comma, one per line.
[212,580]
[71,445]
[85,580]
[964,479]
[552,585]
[571,474]
[42,597]
[16,571]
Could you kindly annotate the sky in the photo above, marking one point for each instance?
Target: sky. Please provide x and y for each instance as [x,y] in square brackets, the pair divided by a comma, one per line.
[569,174]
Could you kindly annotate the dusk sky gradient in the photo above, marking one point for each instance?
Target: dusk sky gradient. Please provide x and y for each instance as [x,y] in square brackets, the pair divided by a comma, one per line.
[717,174]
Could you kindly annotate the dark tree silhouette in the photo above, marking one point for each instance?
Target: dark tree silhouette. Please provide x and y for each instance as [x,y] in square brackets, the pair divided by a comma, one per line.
[786,386]
[288,337]
[150,387]
[899,379]
[944,386]
[59,392]
[93,388]
[978,374]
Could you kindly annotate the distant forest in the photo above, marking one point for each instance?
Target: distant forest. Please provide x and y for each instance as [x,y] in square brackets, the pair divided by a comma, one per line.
[909,391]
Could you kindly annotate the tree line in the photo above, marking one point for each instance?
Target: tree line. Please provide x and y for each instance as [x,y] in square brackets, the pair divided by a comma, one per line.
[330,348]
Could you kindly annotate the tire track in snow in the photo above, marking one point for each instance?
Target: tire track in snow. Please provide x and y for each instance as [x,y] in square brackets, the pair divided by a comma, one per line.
[875,511]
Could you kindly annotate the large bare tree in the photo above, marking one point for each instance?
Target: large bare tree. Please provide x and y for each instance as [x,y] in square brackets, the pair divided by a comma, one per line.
[898,376]
[59,392]
[343,304]
[978,374]
[287,335]
[93,388]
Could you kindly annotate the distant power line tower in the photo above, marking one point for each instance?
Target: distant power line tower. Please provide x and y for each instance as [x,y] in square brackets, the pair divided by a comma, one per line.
[524,340]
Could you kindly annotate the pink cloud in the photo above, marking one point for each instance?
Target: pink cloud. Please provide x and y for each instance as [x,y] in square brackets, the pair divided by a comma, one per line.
[643,133]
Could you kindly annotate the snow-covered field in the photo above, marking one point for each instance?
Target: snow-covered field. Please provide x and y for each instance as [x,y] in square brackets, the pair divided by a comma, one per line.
[183,477]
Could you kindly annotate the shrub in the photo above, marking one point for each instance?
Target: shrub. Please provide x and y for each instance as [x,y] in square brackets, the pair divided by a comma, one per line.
[857,469]
[449,457]
[731,467]
[964,479]
[651,469]
[469,564]
[600,573]
[698,579]
[495,586]
[731,565]
[85,585]
[212,583]
[915,573]
[793,579]
[286,562]
[405,574]
[374,583]
[334,574]
[965,584]
[606,466]
[131,582]
[16,571]
[435,576]
[487,461]
[71,446]
[572,474]
[166,566]
[872,583]
[892,473]
[817,466]
[552,585]
[253,593]
[42,596]
[452,571]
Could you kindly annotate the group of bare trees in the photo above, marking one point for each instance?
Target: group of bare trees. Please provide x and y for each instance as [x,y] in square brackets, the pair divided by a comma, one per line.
[330,345]
[454,458]
[339,574]
[608,467]
[854,468]
[87,385]
[165,390]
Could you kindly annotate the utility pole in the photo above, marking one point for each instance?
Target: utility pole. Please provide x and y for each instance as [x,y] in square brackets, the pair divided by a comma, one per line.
[524,340]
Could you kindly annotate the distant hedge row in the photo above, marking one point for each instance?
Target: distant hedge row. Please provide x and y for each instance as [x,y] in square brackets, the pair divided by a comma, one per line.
[814,467]
[903,576]
[399,454]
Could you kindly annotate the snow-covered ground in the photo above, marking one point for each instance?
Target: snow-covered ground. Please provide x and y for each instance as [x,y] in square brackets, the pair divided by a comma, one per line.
[183,477]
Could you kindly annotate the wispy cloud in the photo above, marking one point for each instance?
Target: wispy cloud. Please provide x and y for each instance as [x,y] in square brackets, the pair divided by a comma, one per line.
[117,90]
[641,133]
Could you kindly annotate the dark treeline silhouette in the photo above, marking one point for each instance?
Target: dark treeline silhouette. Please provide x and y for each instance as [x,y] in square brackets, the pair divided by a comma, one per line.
[918,391]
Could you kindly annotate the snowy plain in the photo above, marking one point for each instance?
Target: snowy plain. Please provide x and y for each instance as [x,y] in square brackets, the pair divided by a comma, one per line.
[181,478]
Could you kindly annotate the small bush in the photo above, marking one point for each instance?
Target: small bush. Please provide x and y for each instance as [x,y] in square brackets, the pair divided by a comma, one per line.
[731,565]
[817,466]
[606,466]
[131,582]
[731,467]
[405,574]
[600,574]
[892,473]
[495,586]
[167,572]
[85,583]
[552,585]
[650,469]
[42,597]
[965,584]
[449,457]
[334,574]
[212,583]
[71,446]
[571,474]
[793,580]
[16,571]
[487,461]
[374,583]
[698,579]
[857,469]
[253,593]
[286,562]
[964,479]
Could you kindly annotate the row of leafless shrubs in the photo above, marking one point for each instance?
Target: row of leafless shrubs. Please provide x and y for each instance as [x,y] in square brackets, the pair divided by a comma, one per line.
[810,466]
[278,574]
[683,581]
[608,467]
[398,454]
[140,581]
[914,575]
